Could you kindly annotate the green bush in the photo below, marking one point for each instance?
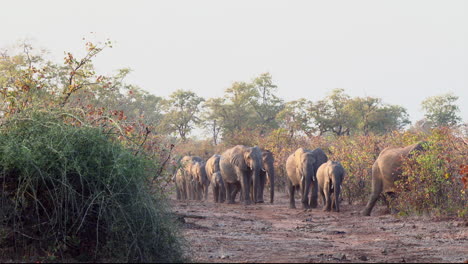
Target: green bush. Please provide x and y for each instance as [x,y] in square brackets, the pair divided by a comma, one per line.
[431,180]
[73,192]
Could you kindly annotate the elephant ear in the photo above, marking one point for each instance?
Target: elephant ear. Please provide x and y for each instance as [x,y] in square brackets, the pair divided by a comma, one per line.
[239,161]
[297,156]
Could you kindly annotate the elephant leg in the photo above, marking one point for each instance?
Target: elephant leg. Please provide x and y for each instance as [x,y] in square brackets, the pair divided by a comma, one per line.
[177,192]
[314,196]
[272,189]
[322,195]
[254,199]
[327,195]
[187,190]
[376,191]
[372,200]
[261,187]
[215,193]
[246,188]
[193,190]
[229,190]
[204,191]
[222,193]
[182,191]
[292,188]
[198,191]
[235,189]
[389,198]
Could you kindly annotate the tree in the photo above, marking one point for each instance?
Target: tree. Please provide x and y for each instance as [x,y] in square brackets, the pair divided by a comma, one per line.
[214,116]
[26,80]
[441,110]
[295,118]
[265,103]
[340,114]
[331,114]
[237,109]
[182,109]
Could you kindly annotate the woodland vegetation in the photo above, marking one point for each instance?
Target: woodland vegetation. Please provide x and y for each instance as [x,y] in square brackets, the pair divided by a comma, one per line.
[76,147]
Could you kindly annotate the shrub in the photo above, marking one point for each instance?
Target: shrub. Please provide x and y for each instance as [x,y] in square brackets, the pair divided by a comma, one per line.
[431,181]
[70,191]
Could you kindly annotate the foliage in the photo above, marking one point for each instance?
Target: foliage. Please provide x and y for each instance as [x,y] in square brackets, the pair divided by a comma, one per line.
[182,112]
[432,180]
[441,110]
[73,192]
[340,114]
[295,118]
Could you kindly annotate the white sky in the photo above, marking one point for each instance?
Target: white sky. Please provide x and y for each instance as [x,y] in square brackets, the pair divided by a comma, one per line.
[400,51]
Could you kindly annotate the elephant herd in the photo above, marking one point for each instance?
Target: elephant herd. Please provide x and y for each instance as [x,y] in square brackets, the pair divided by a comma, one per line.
[246,170]
[240,169]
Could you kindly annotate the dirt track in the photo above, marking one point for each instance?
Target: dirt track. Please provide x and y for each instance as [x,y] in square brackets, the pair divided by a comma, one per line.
[274,233]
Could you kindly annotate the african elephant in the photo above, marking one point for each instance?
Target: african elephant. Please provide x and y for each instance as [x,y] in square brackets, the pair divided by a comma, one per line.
[330,176]
[212,165]
[239,166]
[301,167]
[181,186]
[214,176]
[267,175]
[173,168]
[219,190]
[386,170]
[196,181]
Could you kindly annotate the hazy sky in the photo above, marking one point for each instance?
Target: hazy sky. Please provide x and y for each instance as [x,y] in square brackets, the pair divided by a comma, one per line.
[400,51]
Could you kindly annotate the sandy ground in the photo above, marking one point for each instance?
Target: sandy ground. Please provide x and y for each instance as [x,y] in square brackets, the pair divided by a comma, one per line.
[275,233]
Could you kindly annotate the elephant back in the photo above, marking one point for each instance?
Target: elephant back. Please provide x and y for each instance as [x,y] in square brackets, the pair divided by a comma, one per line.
[212,166]
[322,174]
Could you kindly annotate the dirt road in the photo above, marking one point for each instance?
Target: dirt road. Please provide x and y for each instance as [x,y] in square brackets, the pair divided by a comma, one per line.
[274,233]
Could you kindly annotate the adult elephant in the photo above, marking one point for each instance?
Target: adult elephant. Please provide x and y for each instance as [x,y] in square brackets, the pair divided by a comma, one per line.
[239,166]
[301,167]
[387,169]
[330,176]
[214,176]
[267,174]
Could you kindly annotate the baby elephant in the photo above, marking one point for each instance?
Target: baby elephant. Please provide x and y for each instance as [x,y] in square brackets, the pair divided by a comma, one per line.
[330,176]
[219,190]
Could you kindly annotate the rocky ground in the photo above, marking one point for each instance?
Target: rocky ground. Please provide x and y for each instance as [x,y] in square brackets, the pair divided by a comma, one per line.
[274,233]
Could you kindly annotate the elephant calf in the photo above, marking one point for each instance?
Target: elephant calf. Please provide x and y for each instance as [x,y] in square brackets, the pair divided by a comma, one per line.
[330,176]
[219,190]
[181,187]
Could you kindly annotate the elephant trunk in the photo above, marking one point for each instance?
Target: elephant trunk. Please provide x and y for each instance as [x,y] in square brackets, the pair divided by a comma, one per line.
[308,172]
[204,182]
[256,181]
[336,197]
[271,177]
